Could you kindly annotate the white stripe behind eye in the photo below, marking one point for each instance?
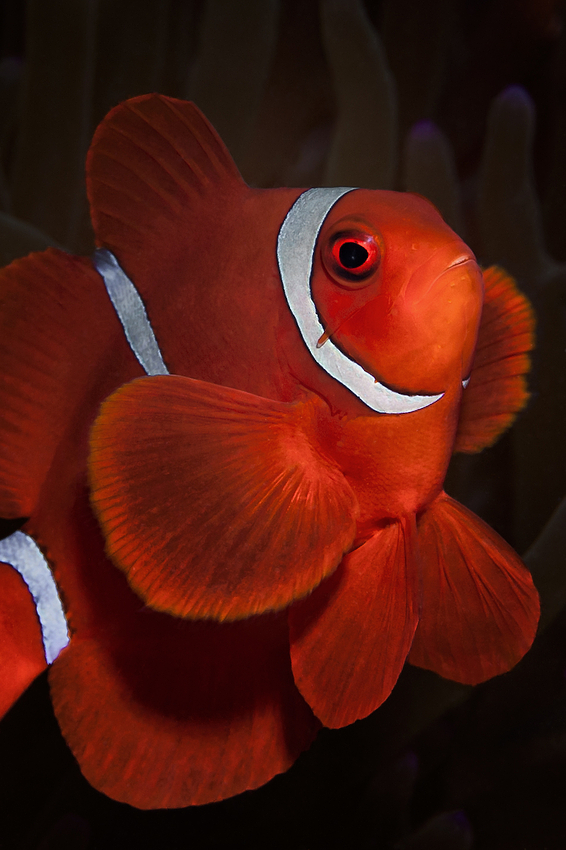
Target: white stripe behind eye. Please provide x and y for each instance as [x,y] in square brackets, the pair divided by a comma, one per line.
[295,251]
[131,312]
[22,552]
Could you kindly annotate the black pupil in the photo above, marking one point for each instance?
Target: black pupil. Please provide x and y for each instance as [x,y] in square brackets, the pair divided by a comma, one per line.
[352,255]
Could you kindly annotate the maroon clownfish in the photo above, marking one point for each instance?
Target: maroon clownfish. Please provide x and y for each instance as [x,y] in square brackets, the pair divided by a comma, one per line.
[229,432]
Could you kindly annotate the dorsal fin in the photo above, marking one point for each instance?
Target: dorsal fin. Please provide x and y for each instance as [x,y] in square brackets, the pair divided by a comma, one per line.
[498,389]
[151,158]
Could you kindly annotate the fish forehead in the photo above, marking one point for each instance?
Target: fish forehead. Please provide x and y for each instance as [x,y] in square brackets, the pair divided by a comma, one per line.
[411,227]
[385,205]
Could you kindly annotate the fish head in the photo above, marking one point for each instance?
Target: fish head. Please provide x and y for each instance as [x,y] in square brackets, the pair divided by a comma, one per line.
[397,291]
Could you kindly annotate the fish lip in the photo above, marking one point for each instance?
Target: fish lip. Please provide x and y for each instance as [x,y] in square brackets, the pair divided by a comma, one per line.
[461,261]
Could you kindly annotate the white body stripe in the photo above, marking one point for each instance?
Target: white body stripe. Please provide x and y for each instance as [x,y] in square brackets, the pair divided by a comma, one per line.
[295,251]
[22,552]
[131,312]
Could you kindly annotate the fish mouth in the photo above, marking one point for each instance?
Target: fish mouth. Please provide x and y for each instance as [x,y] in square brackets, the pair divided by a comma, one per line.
[295,251]
[434,269]
[461,261]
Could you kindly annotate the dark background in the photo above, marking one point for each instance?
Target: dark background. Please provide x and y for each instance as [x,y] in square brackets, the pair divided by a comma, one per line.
[463,101]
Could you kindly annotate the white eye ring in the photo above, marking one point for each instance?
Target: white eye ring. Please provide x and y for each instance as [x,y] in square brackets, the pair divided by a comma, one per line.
[295,251]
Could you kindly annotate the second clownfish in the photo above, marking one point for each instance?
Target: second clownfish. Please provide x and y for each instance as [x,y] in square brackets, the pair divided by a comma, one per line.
[230,433]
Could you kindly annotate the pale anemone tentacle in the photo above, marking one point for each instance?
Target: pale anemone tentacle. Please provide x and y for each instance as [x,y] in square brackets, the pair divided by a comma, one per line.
[295,251]
[22,553]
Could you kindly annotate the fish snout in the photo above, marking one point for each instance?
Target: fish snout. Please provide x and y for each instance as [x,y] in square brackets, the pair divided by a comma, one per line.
[452,264]
[446,296]
[428,336]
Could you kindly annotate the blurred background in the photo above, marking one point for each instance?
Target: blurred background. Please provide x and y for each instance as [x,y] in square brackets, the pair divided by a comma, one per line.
[463,101]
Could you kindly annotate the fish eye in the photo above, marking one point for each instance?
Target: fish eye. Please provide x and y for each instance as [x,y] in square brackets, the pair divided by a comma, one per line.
[351,257]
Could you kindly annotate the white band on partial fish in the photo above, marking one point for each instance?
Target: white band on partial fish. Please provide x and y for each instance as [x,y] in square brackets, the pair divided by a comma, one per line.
[295,251]
[22,552]
[131,312]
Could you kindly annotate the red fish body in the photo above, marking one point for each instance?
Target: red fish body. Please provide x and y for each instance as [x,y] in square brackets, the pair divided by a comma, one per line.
[238,478]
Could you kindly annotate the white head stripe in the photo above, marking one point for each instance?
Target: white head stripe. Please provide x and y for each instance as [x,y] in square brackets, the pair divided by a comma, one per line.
[131,312]
[22,553]
[295,251]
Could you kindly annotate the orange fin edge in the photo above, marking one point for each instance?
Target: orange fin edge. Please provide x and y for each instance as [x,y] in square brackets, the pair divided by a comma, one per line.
[497,390]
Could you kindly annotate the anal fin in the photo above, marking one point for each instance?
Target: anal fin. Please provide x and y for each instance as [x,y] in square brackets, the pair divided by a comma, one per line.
[350,638]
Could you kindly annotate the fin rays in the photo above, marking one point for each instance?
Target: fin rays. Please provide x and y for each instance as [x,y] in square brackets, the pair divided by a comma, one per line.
[216,505]
[480,607]
[497,388]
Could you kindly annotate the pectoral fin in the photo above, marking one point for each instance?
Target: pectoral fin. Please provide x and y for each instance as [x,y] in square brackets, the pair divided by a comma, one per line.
[497,389]
[214,502]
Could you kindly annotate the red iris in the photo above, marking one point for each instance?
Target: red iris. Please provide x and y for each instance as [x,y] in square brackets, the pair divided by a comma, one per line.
[351,257]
